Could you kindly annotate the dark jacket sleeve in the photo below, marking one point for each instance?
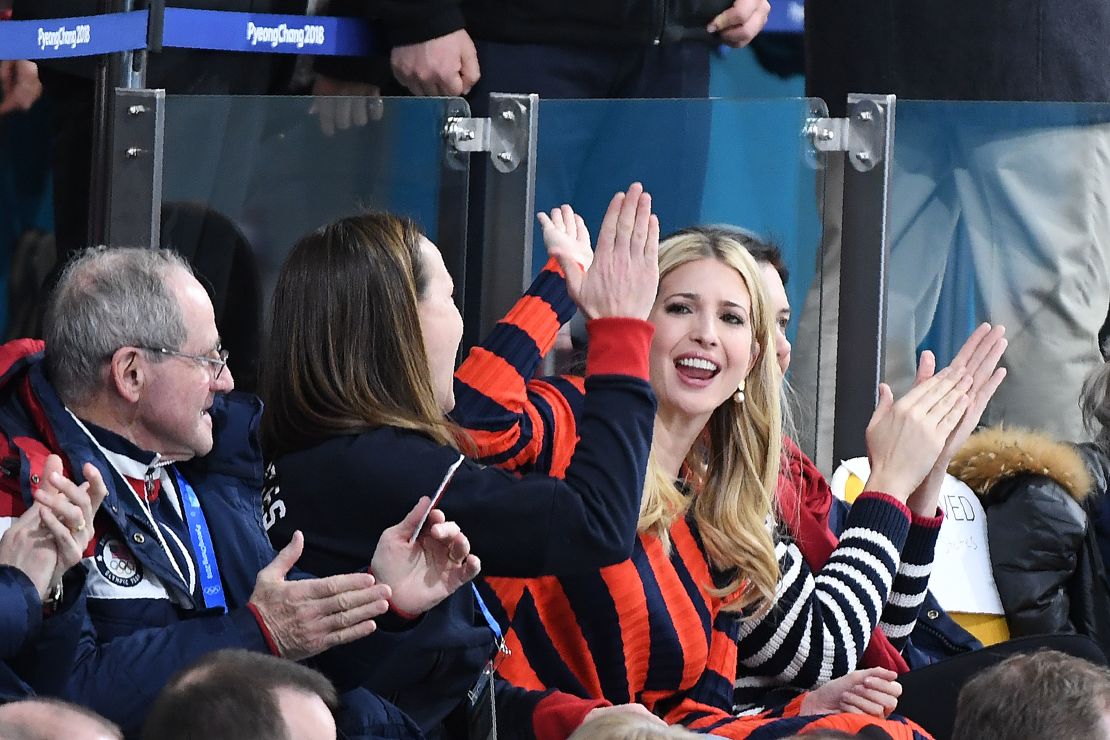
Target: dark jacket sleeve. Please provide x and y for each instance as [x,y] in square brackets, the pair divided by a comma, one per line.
[21,615]
[1035,529]
[105,679]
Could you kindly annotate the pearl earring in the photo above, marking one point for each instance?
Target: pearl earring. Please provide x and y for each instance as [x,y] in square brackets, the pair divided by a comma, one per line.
[738,396]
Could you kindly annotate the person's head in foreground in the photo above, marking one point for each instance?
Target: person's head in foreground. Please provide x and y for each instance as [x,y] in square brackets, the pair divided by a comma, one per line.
[132,345]
[246,696]
[1046,694]
[48,719]
[364,333]
[628,726]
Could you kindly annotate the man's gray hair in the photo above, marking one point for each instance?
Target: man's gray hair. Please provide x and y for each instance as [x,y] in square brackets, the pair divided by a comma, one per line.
[109,298]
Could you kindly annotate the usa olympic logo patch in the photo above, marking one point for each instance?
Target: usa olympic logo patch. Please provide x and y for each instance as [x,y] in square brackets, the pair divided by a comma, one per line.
[116,563]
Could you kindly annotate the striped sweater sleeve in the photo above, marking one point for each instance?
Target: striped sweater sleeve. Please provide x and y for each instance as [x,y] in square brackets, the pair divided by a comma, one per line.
[912,581]
[513,420]
[821,622]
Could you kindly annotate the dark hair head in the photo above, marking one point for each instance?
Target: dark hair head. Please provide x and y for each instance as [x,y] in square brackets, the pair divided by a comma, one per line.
[1046,694]
[232,693]
[345,352]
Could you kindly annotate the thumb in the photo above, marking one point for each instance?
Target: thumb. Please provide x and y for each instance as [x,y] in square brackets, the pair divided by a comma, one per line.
[411,521]
[926,367]
[284,561]
[886,399]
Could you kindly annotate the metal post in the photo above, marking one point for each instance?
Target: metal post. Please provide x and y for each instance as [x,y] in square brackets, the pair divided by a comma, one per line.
[510,197]
[863,264]
[123,70]
[135,168]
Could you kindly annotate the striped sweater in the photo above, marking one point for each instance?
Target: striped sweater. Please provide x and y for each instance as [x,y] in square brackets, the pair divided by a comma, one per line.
[646,630]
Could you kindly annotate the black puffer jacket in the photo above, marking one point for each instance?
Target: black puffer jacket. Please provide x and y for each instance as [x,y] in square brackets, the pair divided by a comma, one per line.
[1044,502]
[958,50]
[576,22]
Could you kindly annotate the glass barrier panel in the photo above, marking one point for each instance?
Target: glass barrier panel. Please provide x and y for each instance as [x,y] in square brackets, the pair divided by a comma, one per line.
[999,212]
[245,177]
[718,161]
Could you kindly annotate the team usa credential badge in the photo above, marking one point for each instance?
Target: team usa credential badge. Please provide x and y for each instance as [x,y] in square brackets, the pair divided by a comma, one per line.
[116,563]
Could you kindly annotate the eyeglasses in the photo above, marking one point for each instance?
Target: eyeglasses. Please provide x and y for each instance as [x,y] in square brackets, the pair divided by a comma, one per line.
[216,363]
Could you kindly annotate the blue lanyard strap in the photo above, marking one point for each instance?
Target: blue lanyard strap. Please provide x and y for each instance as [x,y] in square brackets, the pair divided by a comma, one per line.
[211,586]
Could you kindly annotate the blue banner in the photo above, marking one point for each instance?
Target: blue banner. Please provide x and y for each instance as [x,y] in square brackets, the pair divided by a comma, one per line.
[53,38]
[787,16]
[266,33]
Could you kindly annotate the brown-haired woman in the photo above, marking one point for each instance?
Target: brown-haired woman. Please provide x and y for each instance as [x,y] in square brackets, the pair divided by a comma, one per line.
[357,379]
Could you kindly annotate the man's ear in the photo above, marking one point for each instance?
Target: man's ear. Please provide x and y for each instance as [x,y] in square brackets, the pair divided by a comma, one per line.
[127,373]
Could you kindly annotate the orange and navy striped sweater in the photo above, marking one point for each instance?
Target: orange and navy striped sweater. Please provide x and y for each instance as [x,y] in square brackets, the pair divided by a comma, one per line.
[645,630]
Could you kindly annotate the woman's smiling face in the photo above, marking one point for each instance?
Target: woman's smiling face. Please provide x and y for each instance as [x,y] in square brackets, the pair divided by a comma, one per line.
[703,346]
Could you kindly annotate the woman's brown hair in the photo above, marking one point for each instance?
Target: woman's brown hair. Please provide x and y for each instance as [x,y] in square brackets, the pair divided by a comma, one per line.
[345,353]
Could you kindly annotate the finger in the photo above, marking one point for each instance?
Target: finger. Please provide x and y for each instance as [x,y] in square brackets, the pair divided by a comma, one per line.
[354,616]
[608,232]
[557,220]
[967,350]
[352,600]
[641,224]
[651,249]
[69,549]
[471,71]
[545,220]
[350,634]
[734,15]
[566,215]
[411,521]
[983,364]
[926,395]
[583,233]
[886,400]
[343,107]
[926,367]
[360,112]
[626,220]
[446,532]
[98,491]
[325,110]
[284,561]
[471,567]
[854,703]
[330,587]
[452,85]
[948,401]
[62,507]
[78,495]
[952,417]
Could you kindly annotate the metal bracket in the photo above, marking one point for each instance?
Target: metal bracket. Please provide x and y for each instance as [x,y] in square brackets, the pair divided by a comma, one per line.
[862,134]
[505,134]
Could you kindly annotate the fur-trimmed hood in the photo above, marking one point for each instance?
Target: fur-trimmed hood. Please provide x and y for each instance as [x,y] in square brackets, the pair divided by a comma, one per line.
[997,453]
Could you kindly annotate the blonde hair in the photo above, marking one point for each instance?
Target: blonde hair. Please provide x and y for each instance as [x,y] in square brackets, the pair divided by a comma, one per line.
[628,726]
[733,467]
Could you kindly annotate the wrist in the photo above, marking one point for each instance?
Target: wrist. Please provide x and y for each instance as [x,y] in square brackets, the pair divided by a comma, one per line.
[894,486]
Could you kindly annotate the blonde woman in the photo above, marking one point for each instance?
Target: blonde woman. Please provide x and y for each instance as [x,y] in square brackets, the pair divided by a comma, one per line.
[662,628]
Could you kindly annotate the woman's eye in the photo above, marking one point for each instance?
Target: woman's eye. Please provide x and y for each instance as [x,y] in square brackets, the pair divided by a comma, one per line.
[678,308]
[733,318]
[784,323]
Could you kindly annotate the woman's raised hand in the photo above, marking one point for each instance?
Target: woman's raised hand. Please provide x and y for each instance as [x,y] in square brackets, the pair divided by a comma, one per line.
[905,437]
[568,241]
[624,276]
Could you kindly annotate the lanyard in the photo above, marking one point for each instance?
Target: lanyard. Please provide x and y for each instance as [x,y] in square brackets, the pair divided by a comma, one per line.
[211,587]
[502,649]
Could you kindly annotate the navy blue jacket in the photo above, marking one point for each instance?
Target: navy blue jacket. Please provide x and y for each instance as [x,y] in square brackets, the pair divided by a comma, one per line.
[129,647]
[344,491]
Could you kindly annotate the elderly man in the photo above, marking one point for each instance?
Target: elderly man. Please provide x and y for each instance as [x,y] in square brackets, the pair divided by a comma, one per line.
[133,379]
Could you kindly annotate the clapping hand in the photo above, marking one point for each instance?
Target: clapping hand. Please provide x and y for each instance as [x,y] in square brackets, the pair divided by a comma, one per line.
[426,571]
[624,276]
